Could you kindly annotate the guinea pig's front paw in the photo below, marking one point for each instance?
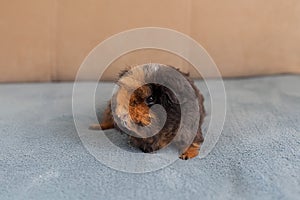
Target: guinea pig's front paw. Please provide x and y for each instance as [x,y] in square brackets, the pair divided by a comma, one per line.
[149,148]
[191,152]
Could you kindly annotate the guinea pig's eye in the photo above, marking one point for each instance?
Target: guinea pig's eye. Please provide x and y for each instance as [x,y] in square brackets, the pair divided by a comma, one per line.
[150,100]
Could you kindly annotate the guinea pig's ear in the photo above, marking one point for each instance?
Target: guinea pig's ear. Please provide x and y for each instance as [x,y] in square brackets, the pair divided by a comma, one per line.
[168,97]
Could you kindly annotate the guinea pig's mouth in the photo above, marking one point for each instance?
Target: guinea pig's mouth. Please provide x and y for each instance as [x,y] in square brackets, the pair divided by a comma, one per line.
[140,124]
[126,125]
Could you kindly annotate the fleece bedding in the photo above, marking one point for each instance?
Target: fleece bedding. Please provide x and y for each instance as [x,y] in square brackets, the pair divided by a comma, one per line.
[257,155]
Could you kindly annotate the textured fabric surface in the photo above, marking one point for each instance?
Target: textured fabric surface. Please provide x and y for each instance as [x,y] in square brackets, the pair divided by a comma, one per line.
[256,157]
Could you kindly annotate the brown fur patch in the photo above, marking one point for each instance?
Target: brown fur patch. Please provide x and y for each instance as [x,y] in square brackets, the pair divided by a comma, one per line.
[138,109]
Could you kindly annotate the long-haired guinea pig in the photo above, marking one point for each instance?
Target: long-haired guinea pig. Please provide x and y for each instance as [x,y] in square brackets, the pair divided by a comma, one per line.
[133,102]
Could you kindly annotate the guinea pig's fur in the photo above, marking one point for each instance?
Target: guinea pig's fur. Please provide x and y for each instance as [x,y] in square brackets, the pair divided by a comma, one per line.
[135,115]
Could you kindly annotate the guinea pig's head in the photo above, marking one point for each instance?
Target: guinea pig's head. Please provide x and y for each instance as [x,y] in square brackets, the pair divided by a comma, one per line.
[135,97]
[134,100]
[133,107]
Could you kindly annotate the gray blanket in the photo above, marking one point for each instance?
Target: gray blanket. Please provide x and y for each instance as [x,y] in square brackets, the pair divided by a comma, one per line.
[256,157]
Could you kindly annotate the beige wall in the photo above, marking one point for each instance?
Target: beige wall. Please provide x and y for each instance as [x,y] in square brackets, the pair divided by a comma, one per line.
[47,40]
[27,41]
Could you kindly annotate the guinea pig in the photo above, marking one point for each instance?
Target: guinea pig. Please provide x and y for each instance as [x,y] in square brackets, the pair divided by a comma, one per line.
[132,111]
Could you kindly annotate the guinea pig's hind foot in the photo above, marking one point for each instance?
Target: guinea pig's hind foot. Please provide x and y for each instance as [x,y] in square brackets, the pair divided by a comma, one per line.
[102,126]
[191,152]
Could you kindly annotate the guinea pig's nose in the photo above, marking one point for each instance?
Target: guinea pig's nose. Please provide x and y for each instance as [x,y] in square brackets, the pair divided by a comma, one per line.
[123,117]
[124,123]
[123,120]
